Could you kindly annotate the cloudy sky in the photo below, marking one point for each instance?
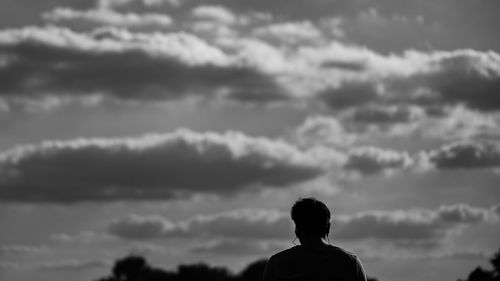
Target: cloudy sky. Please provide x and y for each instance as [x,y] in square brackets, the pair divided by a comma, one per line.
[184,130]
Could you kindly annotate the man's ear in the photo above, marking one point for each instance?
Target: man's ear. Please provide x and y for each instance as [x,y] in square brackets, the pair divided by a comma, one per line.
[327,228]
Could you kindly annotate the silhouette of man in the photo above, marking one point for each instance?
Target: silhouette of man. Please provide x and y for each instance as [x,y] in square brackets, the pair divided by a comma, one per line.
[313,259]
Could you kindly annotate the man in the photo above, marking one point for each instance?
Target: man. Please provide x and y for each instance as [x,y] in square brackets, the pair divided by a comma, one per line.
[313,259]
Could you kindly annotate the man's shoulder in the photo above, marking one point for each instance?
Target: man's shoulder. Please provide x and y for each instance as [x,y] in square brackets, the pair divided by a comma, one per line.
[296,250]
[285,253]
[341,251]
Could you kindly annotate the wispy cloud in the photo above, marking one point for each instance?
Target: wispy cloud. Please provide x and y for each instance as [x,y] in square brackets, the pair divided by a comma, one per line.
[402,228]
[247,223]
[72,265]
[23,250]
[101,17]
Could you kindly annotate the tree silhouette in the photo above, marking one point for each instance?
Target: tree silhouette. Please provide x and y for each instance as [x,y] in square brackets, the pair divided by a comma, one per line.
[203,272]
[253,271]
[481,274]
[136,268]
[495,262]
[130,269]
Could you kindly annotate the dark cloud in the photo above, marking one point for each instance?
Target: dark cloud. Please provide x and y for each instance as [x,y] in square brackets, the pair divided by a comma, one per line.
[496,209]
[372,160]
[465,78]
[431,80]
[465,155]
[382,115]
[123,65]
[345,65]
[350,94]
[153,167]
[455,156]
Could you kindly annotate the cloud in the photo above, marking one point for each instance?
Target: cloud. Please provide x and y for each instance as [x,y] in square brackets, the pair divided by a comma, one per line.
[448,124]
[350,133]
[496,210]
[146,249]
[85,237]
[245,223]
[464,255]
[391,95]
[368,160]
[384,115]
[216,13]
[22,250]
[102,17]
[459,123]
[388,33]
[137,227]
[350,94]
[123,65]
[373,160]
[402,228]
[212,29]
[7,265]
[72,265]
[435,79]
[238,248]
[465,155]
[135,4]
[288,9]
[322,130]
[290,32]
[462,213]
[463,77]
[418,227]
[155,167]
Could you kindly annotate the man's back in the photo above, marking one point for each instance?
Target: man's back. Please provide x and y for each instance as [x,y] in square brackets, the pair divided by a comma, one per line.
[322,263]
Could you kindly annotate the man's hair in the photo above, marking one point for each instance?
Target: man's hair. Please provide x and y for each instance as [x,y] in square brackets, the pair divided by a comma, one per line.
[311,216]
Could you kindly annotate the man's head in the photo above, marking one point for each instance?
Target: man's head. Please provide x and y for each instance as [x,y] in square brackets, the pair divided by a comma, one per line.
[311,218]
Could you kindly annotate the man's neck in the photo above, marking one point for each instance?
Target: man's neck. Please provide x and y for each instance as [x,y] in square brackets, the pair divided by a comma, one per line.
[312,242]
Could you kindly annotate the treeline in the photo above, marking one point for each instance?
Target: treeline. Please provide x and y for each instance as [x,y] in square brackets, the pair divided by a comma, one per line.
[136,268]
[481,274]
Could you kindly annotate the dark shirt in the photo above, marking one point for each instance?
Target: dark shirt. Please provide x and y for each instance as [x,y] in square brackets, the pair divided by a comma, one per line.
[301,263]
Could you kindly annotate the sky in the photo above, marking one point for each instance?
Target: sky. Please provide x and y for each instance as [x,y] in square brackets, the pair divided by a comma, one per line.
[184,130]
